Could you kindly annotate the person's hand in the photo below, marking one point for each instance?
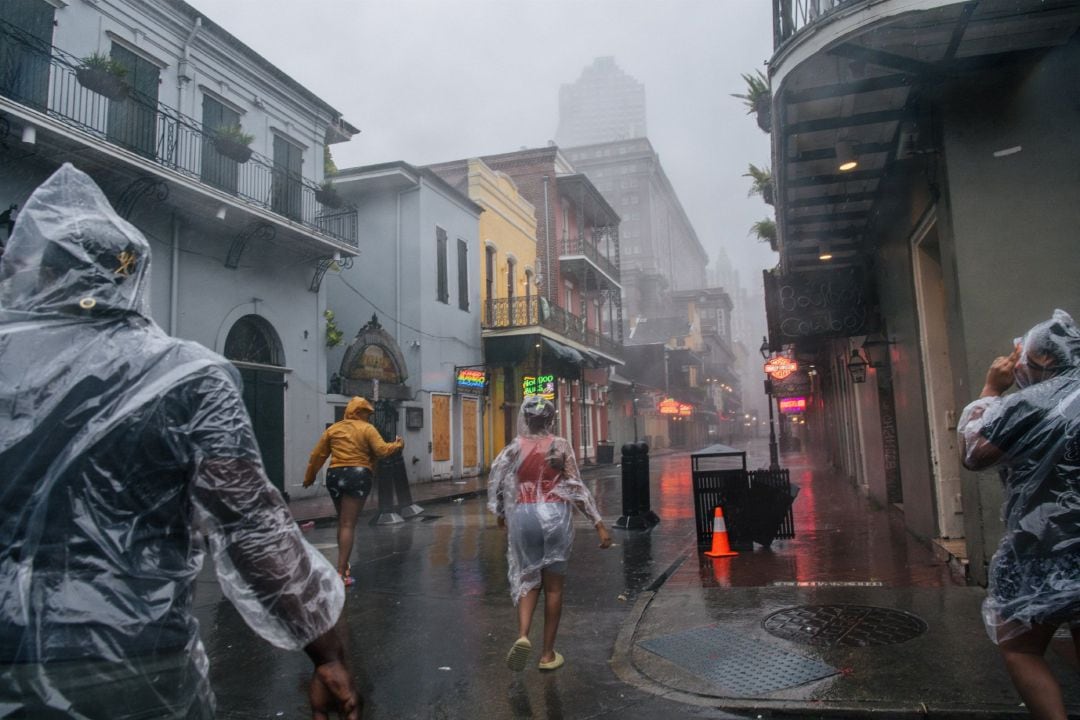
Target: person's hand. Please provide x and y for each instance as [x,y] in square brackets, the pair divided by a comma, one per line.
[501,522]
[999,377]
[309,483]
[332,689]
[605,536]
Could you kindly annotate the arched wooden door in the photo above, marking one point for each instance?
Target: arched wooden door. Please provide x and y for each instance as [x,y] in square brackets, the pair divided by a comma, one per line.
[253,346]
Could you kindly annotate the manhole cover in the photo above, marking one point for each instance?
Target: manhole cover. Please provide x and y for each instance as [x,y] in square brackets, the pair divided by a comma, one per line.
[849,625]
[742,666]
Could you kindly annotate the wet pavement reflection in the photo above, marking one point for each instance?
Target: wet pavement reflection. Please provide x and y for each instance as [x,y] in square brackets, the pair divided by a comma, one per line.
[431,618]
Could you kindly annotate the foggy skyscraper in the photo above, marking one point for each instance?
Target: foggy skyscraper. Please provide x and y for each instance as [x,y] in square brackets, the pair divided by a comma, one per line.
[604,104]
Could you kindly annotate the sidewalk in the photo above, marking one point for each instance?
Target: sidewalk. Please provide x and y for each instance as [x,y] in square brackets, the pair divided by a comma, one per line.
[750,633]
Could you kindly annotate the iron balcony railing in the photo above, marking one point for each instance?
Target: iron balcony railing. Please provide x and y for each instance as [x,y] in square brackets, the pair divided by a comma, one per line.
[516,312]
[43,77]
[599,251]
[792,16]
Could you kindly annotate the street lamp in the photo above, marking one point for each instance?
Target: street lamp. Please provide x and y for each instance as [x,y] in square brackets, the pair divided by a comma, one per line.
[857,367]
[774,453]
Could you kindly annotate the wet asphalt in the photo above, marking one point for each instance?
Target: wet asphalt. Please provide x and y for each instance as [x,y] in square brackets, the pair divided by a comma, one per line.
[431,620]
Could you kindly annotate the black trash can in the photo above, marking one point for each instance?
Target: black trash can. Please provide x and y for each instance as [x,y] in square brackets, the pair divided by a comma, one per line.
[605,453]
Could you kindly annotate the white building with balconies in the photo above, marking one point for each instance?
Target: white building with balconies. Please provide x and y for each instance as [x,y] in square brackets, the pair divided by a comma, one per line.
[217,157]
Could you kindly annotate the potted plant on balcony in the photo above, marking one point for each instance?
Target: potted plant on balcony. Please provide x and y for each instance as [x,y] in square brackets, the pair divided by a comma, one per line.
[763,182]
[232,142]
[103,75]
[327,195]
[765,231]
[758,98]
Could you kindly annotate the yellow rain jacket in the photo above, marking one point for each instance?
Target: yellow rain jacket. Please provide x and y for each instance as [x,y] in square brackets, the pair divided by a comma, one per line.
[352,442]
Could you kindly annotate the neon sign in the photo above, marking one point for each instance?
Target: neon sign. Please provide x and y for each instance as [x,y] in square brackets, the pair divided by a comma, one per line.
[669,406]
[544,386]
[793,405]
[779,367]
[469,379]
[686,410]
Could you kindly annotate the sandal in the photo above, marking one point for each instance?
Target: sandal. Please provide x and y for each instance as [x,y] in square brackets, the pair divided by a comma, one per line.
[519,654]
[554,664]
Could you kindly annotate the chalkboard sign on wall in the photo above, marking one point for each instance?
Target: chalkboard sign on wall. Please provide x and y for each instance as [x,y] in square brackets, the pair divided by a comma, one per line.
[818,304]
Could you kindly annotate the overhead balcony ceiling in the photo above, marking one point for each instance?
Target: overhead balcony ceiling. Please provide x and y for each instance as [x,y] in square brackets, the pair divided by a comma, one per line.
[849,79]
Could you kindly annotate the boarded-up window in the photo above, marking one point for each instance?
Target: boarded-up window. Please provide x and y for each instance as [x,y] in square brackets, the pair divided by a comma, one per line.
[462,274]
[440,428]
[441,289]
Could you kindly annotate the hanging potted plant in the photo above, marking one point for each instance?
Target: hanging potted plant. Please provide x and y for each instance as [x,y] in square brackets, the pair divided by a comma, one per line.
[765,231]
[232,142]
[763,183]
[758,98]
[103,75]
[327,195]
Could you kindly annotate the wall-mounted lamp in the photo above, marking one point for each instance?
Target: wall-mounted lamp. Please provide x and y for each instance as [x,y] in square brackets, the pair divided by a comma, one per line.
[764,349]
[845,157]
[221,212]
[29,134]
[824,253]
[857,367]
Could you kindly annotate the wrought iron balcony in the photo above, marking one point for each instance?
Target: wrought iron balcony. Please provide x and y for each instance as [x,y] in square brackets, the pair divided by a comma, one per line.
[599,251]
[43,78]
[520,312]
[792,16]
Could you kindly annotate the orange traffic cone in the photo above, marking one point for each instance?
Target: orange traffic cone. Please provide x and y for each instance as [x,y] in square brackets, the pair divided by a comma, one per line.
[720,547]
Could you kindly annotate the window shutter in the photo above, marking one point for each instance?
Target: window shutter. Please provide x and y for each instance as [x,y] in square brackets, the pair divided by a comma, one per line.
[463,274]
[442,292]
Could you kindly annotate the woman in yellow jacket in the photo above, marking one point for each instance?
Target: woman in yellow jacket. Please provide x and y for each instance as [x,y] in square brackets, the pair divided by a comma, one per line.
[353,445]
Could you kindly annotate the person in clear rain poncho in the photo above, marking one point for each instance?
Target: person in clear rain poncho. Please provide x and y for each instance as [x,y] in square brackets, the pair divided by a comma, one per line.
[121,448]
[1034,436]
[534,482]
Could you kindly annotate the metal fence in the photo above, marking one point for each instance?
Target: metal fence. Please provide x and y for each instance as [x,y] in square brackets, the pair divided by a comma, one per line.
[592,250]
[792,16]
[532,310]
[43,78]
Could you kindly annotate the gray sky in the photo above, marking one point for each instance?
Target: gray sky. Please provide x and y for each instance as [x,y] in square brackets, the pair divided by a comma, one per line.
[433,80]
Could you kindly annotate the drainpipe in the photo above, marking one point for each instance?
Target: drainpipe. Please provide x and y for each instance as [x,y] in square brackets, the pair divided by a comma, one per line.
[547,243]
[182,71]
[397,272]
[174,277]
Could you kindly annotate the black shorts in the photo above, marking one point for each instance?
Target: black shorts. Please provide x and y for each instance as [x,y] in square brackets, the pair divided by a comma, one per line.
[352,481]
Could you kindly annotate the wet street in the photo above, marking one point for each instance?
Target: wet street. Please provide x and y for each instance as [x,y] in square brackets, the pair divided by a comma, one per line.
[431,619]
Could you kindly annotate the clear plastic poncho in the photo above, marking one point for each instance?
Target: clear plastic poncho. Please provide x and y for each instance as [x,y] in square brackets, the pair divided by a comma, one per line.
[533,485]
[1034,436]
[121,449]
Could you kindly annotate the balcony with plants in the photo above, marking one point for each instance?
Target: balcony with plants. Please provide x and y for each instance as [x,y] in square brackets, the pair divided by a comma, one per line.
[535,311]
[92,100]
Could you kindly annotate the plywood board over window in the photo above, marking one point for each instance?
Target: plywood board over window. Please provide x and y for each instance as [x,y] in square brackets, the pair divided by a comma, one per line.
[469,438]
[440,428]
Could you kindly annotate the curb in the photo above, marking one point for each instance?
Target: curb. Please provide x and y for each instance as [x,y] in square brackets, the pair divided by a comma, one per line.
[622,664]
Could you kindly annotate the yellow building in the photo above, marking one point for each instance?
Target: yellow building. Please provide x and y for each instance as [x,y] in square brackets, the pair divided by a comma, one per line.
[507,276]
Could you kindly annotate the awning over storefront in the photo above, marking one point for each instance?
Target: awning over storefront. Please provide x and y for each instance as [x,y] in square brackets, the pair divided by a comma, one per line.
[551,354]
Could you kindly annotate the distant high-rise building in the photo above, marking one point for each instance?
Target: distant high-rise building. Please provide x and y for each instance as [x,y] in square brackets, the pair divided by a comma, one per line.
[604,105]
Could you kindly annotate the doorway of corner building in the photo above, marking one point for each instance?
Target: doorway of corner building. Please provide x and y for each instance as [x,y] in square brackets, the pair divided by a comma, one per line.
[442,458]
[932,306]
[253,346]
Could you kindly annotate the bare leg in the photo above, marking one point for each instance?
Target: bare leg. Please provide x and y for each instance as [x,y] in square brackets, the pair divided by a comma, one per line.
[348,512]
[553,589]
[526,607]
[1031,675]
